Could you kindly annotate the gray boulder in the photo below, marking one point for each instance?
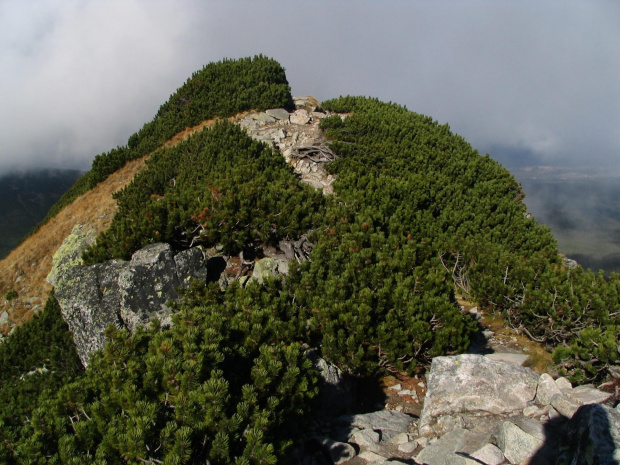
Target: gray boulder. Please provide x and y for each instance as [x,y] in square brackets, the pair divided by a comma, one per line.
[90,302]
[146,284]
[124,294]
[269,268]
[464,388]
[445,450]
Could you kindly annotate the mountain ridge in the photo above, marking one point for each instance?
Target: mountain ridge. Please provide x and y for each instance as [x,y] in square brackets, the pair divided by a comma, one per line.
[416,217]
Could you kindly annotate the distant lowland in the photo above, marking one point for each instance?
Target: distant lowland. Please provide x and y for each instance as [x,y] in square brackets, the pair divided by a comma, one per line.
[25,198]
[582,208]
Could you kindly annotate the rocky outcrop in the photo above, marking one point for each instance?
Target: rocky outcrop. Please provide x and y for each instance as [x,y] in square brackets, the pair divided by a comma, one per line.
[298,138]
[481,411]
[124,294]
[69,254]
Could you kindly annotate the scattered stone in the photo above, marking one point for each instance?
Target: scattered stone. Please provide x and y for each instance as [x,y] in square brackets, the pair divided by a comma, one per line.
[564,406]
[300,117]
[517,445]
[513,359]
[489,455]
[366,438]
[533,411]
[408,447]
[4,318]
[563,383]
[399,439]
[396,387]
[269,268]
[547,388]
[339,452]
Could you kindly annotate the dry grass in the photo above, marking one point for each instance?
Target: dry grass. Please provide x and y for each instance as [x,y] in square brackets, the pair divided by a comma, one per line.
[25,269]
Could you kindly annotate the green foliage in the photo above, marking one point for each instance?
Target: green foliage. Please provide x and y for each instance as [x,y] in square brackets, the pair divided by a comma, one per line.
[220,89]
[10,295]
[220,186]
[211,388]
[38,357]
[413,179]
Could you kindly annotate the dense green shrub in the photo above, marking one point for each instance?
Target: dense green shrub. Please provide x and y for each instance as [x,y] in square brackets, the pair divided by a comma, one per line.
[214,387]
[38,357]
[220,186]
[220,89]
[419,181]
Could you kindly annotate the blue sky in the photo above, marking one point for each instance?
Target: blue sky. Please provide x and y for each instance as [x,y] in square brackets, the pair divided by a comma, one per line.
[534,79]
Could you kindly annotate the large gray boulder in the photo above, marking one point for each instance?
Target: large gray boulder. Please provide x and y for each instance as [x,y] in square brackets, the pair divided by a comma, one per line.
[90,302]
[465,388]
[124,294]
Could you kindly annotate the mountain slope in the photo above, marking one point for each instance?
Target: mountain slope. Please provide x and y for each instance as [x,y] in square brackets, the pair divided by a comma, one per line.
[25,199]
[416,216]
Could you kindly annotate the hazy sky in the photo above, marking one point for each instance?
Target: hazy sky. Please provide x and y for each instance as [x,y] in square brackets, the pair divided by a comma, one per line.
[536,78]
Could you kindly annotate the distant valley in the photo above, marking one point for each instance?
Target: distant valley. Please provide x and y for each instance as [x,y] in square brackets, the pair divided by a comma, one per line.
[25,199]
[581,207]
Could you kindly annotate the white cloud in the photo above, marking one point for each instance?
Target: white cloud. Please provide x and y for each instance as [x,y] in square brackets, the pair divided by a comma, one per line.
[80,76]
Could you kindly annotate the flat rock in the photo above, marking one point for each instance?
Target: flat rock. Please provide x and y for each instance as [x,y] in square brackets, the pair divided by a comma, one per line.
[278,113]
[4,318]
[584,395]
[458,440]
[388,422]
[514,359]
[517,445]
[476,385]
[263,117]
[371,457]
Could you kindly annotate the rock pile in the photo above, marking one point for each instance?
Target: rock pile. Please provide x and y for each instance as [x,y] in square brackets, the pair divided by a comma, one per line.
[298,138]
[482,411]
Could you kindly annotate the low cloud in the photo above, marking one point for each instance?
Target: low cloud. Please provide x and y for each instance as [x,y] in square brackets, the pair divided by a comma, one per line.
[528,77]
